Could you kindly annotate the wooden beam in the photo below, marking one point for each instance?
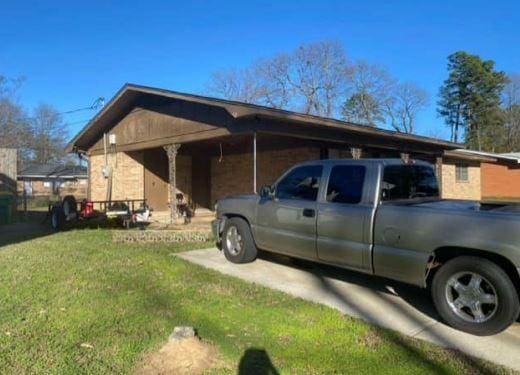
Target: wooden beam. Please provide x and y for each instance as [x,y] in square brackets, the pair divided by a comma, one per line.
[162,142]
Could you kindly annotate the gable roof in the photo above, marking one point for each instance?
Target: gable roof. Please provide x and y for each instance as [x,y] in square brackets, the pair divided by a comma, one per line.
[53,171]
[126,97]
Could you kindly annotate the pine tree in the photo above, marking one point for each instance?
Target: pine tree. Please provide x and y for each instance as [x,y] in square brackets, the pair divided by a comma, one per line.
[470,100]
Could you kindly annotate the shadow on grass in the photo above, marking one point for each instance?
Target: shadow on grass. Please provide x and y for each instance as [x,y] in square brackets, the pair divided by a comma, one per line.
[383,289]
[28,227]
[256,361]
[470,363]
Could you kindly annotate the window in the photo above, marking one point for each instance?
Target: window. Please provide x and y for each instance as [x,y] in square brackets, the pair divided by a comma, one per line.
[346,184]
[461,172]
[300,183]
[47,184]
[408,181]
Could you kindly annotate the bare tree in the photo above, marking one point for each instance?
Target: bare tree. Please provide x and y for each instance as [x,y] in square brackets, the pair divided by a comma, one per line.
[311,79]
[273,73]
[407,99]
[14,127]
[511,114]
[319,76]
[49,134]
[370,87]
[237,84]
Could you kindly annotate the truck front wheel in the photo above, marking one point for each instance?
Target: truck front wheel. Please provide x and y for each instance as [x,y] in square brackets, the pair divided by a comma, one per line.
[237,241]
[475,295]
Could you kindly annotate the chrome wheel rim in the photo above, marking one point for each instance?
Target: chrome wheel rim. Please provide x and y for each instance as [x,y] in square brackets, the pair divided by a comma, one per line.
[233,240]
[471,297]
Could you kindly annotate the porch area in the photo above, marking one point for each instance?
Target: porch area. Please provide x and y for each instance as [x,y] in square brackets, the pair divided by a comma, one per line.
[182,181]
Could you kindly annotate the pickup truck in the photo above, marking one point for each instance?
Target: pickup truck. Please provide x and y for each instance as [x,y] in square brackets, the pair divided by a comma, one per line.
[385,217]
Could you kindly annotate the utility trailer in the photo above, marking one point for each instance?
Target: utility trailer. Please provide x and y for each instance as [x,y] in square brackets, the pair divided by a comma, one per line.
[128,212]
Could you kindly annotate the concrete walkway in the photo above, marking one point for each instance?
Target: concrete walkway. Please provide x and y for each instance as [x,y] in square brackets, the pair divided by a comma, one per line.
[385,303]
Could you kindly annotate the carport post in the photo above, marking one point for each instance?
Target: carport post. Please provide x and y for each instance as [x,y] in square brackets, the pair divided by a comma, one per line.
[171,151]
[254,162]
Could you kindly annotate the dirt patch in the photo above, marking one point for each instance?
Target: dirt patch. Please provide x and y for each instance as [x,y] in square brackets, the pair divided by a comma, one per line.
[370,339]
[187,356]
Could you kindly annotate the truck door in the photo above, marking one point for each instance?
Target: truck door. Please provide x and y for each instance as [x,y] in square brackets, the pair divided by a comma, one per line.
[344,232]
[286,223]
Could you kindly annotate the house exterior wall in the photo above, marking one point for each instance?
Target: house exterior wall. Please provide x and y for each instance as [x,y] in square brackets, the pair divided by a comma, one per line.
[500,181]
[128,176]
[127,180]
[453,189]
[234,173]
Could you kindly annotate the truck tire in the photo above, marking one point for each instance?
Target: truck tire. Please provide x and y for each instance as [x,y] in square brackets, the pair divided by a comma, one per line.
[475,295]
[237,241]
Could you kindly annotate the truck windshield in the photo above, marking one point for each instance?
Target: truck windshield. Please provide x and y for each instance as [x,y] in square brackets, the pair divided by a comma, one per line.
[408,181]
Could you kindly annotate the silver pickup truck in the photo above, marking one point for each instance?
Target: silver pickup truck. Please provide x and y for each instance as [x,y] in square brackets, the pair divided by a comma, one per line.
[384,217]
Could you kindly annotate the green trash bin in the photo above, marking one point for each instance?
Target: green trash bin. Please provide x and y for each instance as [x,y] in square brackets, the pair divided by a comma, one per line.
[6,208]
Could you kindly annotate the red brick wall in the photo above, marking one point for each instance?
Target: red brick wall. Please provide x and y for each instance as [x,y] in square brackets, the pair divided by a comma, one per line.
[234,173]
[500,181]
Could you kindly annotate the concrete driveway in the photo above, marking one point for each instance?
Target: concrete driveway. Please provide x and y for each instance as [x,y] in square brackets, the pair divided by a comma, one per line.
[389,304]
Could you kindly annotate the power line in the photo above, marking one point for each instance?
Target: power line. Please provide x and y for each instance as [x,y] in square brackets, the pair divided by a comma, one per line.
[98,103]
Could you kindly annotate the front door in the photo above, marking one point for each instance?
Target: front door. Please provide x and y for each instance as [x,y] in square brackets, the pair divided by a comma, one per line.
[286,223]
[156,179]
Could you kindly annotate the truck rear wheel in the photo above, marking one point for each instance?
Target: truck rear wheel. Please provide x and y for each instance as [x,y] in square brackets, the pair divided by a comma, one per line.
[237,241]
[475,295]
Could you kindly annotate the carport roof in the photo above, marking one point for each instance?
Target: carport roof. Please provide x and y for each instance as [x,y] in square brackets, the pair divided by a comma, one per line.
[128,95]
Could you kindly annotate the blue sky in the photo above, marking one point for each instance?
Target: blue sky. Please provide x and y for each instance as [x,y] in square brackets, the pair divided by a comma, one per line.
[72,52]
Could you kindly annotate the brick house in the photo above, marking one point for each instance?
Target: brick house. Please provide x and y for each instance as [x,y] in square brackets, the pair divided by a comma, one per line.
[156,144]
[482,175]
[53,179]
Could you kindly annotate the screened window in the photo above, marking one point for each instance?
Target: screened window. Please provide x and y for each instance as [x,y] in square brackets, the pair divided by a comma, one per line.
[408,181]
[346,184]
[461,172]
[301,183]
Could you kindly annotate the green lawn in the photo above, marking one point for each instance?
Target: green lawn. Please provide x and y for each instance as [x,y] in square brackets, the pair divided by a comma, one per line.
[63,290]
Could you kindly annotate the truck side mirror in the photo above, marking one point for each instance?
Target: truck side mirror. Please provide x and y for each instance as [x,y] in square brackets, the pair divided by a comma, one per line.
[267,192]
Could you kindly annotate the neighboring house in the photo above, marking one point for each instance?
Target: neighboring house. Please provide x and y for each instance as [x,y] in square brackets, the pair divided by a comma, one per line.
[53,179]
[155,144]
[485,175]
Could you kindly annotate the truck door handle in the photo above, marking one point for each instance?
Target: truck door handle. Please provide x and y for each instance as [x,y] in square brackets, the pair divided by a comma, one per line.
[309,212]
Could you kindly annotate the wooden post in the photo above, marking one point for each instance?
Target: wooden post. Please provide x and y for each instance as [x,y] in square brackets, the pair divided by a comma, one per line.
[171,151]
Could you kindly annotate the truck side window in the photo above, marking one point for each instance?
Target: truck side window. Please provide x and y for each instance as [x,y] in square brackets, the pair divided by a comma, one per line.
[301,183]
[408,182]
[346,184]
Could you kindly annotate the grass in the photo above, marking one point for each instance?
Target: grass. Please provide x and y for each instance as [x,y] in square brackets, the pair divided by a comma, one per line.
[60,291]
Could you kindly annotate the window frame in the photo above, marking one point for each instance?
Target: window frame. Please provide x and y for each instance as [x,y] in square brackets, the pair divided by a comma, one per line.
[461,169]
[363,188]
[400,200]
[318,194]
